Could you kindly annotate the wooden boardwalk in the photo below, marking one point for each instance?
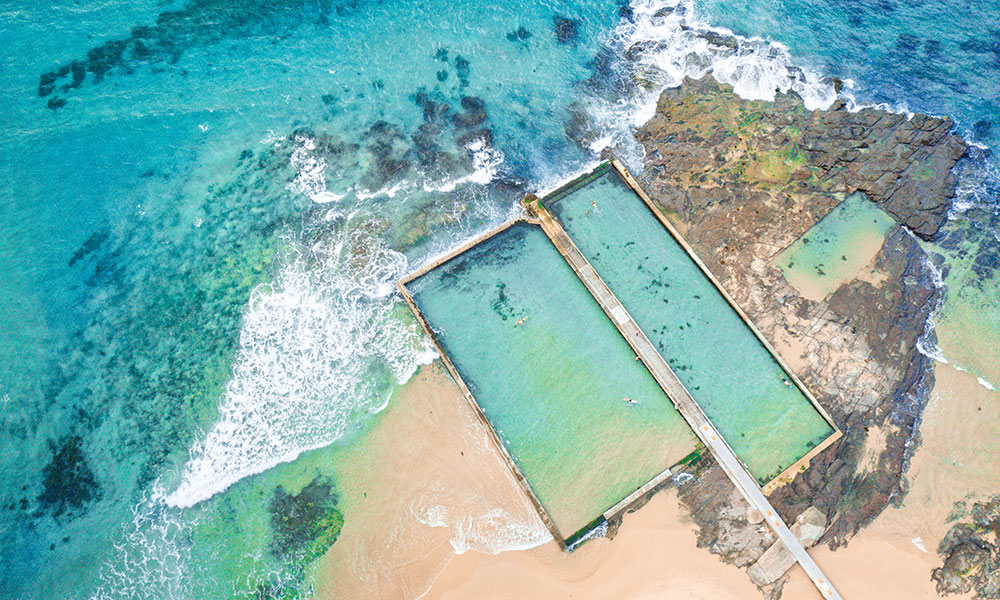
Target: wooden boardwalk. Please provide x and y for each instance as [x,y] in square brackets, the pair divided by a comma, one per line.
[685,404]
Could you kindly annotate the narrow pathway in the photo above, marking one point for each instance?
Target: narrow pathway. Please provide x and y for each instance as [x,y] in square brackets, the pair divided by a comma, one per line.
[685,404]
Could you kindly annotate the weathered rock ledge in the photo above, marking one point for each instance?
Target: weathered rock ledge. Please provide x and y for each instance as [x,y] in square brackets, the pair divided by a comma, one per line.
[742,180]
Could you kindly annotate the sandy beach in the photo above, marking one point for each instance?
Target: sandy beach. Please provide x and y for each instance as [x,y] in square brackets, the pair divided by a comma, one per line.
[654,555]
[411,516]
[893,557]
[426,482]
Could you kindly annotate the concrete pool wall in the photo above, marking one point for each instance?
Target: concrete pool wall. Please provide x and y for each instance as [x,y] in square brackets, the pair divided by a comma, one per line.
[612,498]
[535,408]
[592,210]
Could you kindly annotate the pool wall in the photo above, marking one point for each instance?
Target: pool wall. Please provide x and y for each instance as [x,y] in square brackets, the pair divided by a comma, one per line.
[567,540]
[785,476]
[466,392]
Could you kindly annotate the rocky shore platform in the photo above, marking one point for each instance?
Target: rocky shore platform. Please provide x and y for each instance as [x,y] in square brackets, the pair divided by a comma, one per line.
[744,179]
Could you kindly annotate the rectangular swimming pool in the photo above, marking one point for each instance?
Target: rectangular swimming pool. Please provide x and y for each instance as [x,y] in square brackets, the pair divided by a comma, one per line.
[754,403]
[836,249]
[551,374]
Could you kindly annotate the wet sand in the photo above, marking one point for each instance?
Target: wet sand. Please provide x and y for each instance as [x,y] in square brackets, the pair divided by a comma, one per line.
[425,481]
[654,555]
[454,478]
[893,557]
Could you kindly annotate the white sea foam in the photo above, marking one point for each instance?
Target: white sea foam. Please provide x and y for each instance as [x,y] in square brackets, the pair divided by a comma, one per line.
[682,478]
[311,346]
[152,553]
[599,531]
[492,532]
[310,179]
[666,42]
[485,161]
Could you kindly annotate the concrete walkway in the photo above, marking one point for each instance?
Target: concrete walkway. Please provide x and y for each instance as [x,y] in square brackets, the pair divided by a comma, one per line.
[685,404]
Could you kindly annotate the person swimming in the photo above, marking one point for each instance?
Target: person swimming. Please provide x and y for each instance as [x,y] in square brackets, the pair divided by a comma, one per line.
[521,322]
[629,400]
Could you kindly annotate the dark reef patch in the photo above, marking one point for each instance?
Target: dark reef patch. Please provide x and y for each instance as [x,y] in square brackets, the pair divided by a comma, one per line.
[462,70]
[67,481]
[306,524]
[475,112]
[519,35]
[200,23]
[566,29]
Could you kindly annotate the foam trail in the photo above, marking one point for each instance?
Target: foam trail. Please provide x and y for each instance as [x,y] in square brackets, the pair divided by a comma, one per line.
[310,179]
[485,161]
[312,347]
[315,348]
[492,532]
[153,554]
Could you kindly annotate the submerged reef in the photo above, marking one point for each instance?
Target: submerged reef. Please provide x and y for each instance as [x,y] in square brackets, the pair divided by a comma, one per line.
[744,179]
[306,524]
[68,482]
[971,552]
[198,24]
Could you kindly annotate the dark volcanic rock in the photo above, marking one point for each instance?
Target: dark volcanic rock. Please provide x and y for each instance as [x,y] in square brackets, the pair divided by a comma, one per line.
[904,165]
[720,512]
[705,135]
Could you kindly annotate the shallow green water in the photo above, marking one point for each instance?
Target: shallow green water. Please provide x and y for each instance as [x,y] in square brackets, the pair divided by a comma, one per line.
[553,386]
[766,420]
[836,248]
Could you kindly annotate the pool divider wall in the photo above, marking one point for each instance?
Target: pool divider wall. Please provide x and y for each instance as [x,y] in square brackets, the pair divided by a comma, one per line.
[453,371]
[735,469]
[619,507]
[788,474]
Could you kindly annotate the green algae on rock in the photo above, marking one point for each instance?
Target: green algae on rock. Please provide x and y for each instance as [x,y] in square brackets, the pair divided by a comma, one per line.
[742,180]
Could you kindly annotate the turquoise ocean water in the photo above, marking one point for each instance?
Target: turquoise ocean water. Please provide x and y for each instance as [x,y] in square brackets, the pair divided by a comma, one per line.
[205,205]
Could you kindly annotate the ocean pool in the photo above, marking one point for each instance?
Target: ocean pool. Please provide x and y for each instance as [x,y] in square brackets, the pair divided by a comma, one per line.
[550,372]
[767,421]
[835,249]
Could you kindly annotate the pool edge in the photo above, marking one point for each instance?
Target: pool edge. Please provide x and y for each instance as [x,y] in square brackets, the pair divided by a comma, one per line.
[788,474]
[457,377]
[619,507]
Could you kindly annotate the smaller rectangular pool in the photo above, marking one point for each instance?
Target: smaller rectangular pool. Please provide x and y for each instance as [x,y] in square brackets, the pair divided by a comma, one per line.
[584,421]
[835,249]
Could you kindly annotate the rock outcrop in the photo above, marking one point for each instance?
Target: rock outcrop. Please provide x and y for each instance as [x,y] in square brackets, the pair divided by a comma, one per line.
[742,180]
[704,138]
[971,553]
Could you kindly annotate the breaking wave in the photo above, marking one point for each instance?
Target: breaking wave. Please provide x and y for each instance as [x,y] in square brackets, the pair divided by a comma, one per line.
[664,42]
[314,347]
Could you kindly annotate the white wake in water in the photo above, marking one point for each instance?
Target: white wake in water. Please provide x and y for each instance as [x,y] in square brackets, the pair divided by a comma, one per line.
[315,348]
